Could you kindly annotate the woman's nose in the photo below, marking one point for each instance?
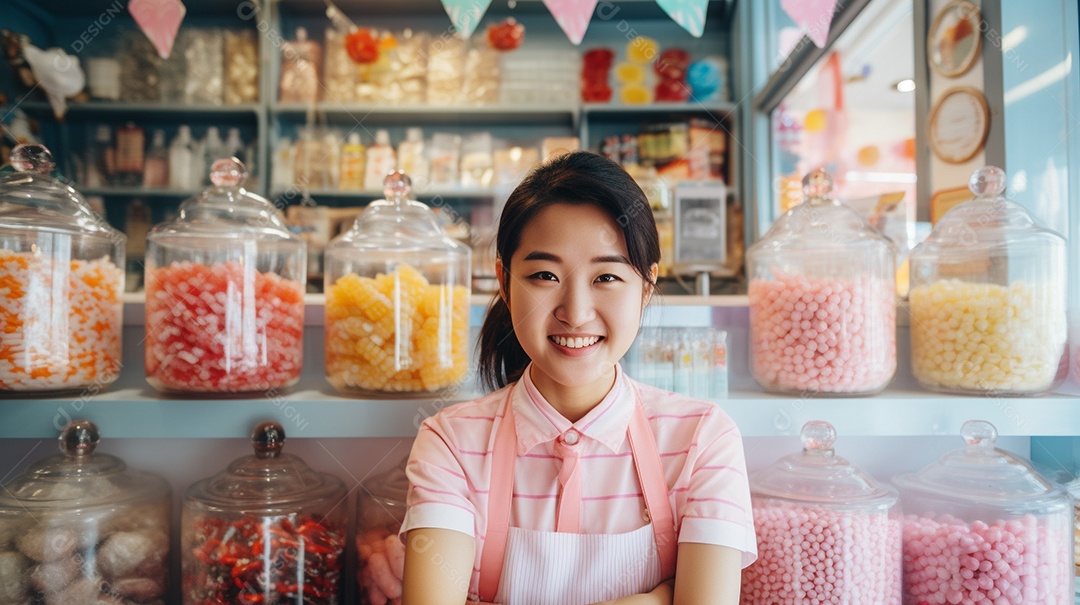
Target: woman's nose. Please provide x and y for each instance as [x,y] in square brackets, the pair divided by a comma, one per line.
[576,307]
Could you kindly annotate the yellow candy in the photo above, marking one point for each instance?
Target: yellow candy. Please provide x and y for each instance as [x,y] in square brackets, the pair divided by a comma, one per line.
[635,95]
[642,49]
[630,73]
[396,333]
[986,337]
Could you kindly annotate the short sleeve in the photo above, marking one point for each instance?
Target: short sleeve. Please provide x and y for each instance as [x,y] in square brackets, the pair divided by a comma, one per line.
[439,493]
[717,508]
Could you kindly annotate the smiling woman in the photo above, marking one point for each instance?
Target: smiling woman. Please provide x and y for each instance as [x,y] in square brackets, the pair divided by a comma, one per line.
[571,475]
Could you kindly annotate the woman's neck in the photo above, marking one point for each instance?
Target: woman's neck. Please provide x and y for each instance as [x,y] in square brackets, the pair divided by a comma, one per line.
[573,402]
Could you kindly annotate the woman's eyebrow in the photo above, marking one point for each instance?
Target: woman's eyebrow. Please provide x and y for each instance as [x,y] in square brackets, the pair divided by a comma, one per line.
[612,258]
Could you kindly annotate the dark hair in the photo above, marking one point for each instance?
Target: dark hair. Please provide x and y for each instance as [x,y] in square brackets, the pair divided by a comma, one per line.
[580,177]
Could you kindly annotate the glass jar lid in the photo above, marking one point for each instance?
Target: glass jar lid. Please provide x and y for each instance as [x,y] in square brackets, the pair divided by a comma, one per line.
[817,475]
[266,479]
[980,473]
[988,221]
[398,223]
[31,198]
[819,222]
[391,486]
[79,477]
[227,210]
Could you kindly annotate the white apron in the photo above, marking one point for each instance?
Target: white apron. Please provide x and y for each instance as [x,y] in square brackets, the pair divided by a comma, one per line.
[526,567]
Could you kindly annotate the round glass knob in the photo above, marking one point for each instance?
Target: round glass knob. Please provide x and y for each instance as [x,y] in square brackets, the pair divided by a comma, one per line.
[397,185]
[979,433]
[79,438]
[988,181]
[818,435]
[32,158]
[267,439]
[817,184]
[228,172]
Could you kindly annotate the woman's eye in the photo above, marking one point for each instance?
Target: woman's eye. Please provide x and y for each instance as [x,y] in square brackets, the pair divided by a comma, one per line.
[544,275]
[607,277]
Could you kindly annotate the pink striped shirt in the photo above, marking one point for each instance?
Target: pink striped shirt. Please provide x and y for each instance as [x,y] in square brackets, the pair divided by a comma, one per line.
[700,449]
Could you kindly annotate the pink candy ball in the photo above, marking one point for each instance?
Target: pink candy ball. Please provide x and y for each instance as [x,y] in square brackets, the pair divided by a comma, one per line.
[810,555]
[822,335]
[1025,561]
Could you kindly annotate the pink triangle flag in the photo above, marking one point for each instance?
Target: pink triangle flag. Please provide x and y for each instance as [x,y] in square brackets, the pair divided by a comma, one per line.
[573,16]
[159,20]
[814,17]
[689,14]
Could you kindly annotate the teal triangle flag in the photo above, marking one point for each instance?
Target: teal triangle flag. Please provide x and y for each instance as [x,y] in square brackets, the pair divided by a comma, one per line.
[690,14]
[466,14]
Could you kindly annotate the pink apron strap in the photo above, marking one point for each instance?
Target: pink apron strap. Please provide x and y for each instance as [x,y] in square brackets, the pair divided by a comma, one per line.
[500,495]
[655,490]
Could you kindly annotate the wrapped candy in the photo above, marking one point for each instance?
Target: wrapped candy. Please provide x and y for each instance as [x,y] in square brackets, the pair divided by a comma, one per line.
[241,67]
[446,71]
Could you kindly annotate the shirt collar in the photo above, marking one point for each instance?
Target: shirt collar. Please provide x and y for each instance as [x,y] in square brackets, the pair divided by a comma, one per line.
[536,421]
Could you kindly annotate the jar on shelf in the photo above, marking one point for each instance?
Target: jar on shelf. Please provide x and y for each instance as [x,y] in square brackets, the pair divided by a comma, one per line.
[62,278]
[980,524]
[988,298]
[397,300]
[827,532]
[380,511]
[81,527]
[225,285]
[267,529]
[822,299]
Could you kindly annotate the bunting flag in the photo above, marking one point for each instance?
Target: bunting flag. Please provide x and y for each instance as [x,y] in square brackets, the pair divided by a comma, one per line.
[814,17]
[465,14]
[689,14]
[159,20]
[573,16]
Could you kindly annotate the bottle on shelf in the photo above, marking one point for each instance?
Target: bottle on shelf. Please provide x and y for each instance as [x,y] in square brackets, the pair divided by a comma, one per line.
[308,171]
[234,147]
[213,149]
[352,164]
[331,158]
[181,156]
[156,168]
[380,160]
[130,154]
[282,164]
[101,159]
[412,159]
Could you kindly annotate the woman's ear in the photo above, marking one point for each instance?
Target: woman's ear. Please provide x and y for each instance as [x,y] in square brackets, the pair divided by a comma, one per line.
[647,291]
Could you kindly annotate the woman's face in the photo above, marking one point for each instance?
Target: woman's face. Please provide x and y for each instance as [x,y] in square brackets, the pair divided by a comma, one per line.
[575,299]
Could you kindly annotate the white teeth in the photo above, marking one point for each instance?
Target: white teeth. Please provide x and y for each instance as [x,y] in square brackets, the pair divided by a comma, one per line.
[575,343]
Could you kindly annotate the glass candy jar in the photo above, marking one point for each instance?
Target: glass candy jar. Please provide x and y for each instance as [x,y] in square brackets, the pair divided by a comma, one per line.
[81,527]
[225,287]
[62,279]
[980,524]
[822,298]
[397,300]
[827,532]
[380,511]
[988,298]
[267,529]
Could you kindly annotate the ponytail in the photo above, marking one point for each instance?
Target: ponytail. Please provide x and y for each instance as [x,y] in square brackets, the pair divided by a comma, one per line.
[502,360]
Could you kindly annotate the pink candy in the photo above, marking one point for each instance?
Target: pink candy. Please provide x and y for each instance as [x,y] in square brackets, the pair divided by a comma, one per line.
[382,565]
[1024,561]
[822,335]
[809,555]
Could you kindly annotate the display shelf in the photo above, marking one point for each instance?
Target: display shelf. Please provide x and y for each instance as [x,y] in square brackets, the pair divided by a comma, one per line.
[486,193]
[718,110]
[137,192]
[429,114]
[132,409]
[125,110]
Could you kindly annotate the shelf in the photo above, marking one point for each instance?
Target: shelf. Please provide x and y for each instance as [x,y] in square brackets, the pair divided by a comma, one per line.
[147,109]
[372,194]
[428,114]
[716,110]
[137,192]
